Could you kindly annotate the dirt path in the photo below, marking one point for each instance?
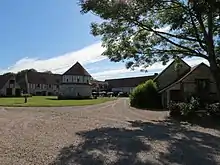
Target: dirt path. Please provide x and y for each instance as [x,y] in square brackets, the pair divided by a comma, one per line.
[109,133]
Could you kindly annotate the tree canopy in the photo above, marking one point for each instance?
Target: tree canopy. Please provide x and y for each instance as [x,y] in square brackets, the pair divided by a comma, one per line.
[142,32]
[145,32]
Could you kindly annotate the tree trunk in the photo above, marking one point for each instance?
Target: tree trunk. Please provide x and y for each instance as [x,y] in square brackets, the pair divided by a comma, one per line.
[216,74]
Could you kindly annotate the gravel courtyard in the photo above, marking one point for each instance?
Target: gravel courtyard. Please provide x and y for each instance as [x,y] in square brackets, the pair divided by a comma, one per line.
[110,134]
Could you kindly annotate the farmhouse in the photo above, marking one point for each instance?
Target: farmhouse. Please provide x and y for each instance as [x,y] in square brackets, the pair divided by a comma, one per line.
[43,83]
[39,83]
[75,83]
[179,82]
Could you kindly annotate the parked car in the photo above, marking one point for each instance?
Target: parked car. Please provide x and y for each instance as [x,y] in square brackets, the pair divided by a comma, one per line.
[123,94]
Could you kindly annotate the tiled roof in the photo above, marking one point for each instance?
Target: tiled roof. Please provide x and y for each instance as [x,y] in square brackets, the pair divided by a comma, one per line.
[77,69]
[128,82]
[43,78]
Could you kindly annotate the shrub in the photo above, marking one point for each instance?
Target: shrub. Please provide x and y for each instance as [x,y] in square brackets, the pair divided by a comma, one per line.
[213,109]
[190,108]
[174,109]
[145,96]
[184,109]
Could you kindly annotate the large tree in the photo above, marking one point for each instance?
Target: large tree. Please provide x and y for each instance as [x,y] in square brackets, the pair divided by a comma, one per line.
[142,32]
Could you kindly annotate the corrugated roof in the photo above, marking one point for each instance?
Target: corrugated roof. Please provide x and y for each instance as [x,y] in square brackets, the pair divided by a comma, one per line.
[77,69]
[128,82]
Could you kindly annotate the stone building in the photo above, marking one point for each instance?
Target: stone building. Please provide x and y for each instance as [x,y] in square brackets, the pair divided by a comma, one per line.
[183,83]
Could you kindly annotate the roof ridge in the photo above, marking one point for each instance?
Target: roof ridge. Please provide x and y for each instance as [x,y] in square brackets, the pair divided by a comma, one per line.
[77,69]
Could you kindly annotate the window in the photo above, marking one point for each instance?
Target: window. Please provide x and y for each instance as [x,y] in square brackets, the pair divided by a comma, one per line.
[50,86]
[58,86]
[77,79]
[12,82]
[202,84]
[67,80]
[38,85]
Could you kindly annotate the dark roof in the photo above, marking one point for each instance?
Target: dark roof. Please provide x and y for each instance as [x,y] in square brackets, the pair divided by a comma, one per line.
[168,67]
[183,77]
[4,79]
[43,78]
[128,82]
[77,69]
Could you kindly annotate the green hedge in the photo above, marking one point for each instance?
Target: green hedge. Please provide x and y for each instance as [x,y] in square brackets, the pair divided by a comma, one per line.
[145,96]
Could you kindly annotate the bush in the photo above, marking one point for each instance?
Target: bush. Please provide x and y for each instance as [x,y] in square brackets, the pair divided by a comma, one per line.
[213,109]
[145,96]
[190,108]
[174,109]
[184,109]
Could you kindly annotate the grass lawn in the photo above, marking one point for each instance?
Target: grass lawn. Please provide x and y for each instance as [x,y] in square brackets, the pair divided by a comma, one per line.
[48,101]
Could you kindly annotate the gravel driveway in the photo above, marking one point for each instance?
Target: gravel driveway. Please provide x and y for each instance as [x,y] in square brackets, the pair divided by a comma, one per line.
[111,133]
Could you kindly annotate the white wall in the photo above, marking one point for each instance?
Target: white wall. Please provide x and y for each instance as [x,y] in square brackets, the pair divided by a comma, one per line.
[72,90]
[33,88]
[76,79]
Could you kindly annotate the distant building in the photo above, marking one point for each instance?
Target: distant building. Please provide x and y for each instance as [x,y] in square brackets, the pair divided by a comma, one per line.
[75,83]
[99,86]
[9,86]
[126,85]
[43,83]
[39,83]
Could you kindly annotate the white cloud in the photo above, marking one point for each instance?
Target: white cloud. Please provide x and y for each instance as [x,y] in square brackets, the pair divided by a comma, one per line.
[88,55]
[60,63]
[157,67]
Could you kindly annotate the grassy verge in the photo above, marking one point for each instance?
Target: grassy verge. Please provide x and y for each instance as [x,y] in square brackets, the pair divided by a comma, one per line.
[49,101]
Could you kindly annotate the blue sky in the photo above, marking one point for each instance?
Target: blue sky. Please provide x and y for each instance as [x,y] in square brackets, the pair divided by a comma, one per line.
[53,35]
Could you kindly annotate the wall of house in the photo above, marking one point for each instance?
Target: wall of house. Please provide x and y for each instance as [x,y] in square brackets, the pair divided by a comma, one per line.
[53,89]
[189,84]
[166,94]
[170,75]
[72,90]
[3,91]
[76,79]
[203,72]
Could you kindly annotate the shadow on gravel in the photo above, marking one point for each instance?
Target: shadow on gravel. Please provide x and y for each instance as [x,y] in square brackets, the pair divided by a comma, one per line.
[134,146]
[200,120]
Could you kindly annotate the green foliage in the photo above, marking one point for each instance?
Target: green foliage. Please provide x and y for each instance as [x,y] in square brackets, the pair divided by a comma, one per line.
[184,109]
[174,109]
[213,109]
[144,32]
[145,96]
